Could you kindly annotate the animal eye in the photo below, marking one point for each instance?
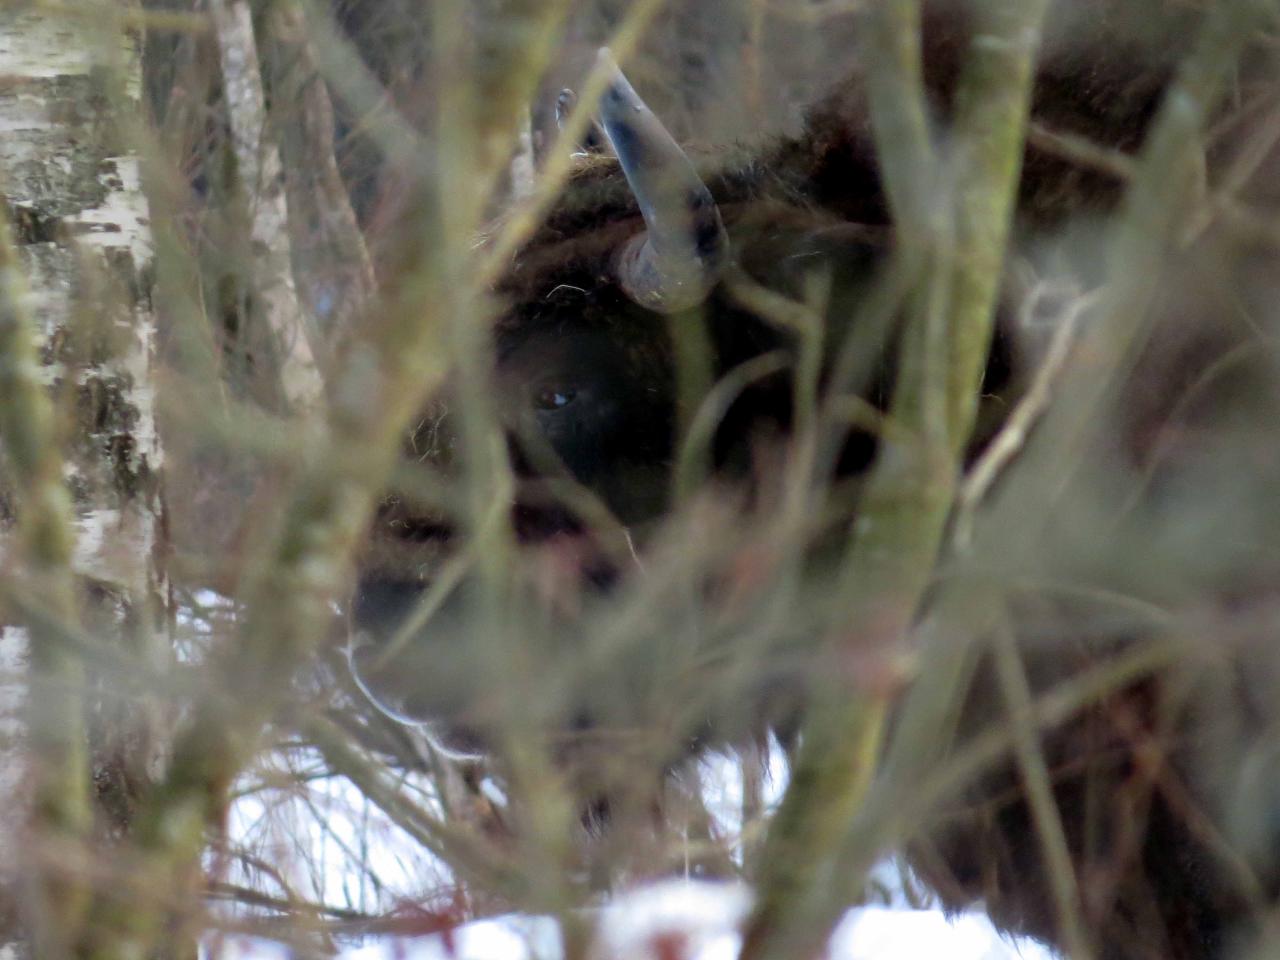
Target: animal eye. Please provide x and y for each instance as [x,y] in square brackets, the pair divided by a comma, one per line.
[553,398]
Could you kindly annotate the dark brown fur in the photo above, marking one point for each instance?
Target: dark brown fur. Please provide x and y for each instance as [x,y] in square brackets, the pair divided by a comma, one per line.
[1147,780]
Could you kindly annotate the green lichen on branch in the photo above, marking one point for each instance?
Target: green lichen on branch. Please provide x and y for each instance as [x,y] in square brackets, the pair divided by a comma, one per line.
[954,247]
[904,511]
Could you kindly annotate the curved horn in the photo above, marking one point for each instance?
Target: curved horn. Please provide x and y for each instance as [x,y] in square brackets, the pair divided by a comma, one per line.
[674,264]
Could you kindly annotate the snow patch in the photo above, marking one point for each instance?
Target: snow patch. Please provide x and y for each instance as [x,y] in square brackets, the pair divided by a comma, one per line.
[688,919]
[691,920]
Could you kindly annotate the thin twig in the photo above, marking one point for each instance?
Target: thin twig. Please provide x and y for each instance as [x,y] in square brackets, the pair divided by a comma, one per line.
[1063,881]
[1017,428]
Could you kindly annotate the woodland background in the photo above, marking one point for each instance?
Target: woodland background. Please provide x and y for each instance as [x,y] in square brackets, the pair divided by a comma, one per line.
[202,395]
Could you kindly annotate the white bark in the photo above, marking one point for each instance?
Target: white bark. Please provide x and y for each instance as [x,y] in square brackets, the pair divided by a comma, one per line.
[260,177]
[73,201]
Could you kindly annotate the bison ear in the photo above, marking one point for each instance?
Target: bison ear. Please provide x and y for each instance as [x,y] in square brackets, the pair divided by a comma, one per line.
[676,262]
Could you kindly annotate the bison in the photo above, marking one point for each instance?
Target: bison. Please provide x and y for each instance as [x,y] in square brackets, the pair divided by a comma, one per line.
[650,367]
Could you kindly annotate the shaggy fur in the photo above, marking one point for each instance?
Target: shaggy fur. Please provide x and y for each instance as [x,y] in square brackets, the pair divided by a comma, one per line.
[1171,862]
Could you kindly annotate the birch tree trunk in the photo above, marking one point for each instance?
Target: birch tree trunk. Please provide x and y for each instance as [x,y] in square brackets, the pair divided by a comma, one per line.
[258,177]
[75,311]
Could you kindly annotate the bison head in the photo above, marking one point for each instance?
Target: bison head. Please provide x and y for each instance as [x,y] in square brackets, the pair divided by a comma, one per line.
[638,292]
